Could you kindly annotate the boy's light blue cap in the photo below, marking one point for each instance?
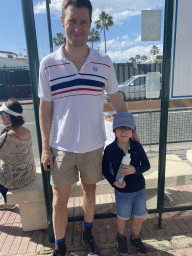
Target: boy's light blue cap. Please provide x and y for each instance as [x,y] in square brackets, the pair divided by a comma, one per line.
[124,119]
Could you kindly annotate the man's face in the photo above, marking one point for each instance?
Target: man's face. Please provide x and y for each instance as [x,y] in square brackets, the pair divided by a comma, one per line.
[77,25]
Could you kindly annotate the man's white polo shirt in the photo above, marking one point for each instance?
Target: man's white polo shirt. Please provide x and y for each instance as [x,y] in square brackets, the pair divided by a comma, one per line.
[78,99]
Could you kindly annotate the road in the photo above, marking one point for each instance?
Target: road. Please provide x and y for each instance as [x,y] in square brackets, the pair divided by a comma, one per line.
[180,126]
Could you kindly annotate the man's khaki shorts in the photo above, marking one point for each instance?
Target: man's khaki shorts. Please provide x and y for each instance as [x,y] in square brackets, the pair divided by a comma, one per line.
[68,165]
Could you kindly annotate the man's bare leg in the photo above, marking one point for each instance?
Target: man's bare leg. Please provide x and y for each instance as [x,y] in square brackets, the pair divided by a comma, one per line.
[89,211]
[88,201]
[60,212]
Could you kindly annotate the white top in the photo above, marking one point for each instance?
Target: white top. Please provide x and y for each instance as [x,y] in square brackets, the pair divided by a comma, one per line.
[17,160]
[109,132]
[78,98]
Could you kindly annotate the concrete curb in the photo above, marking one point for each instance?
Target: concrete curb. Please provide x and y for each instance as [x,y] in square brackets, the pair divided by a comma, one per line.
[172,243]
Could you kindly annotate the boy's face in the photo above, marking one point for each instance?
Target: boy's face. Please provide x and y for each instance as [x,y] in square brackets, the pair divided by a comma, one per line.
[123,133]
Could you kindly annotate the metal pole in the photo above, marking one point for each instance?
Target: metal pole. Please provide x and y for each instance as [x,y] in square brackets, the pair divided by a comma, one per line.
[49,25]
[30,33]
[150,129]
[167,47]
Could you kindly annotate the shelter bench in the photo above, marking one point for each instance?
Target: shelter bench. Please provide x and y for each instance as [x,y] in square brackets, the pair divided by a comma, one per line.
[31,202]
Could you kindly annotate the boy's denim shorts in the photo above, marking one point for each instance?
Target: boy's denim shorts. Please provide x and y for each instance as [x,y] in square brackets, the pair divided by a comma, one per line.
[128,204]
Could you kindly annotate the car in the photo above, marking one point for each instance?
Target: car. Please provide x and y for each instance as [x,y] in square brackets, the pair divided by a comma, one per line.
[133,89]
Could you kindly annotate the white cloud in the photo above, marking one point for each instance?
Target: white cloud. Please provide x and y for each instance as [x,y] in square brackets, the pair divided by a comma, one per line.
[118,45]
[120,16]
[55,7]
[118,6]
[119,9]
[124,56]
[95,15]
[125,37]
[40,8]
[115,45]
[138,39]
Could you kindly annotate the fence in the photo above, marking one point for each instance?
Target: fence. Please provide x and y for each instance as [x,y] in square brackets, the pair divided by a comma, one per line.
[14,82]
[179,125]
[126,70]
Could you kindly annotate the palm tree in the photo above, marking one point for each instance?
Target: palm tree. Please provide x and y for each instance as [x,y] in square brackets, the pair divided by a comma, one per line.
[93,36]
[105,21]
[144,58]
[154,50]
[132,59]
[137,57]
[59,40]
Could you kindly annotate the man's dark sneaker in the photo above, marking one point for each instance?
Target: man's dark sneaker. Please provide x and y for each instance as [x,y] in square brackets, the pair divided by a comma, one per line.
[56,252]
[141,249]
[122,244]
[90,245]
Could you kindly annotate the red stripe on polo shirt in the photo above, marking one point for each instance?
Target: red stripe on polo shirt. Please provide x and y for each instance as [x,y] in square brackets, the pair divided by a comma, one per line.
[57,65]
[77,95]
[101,64]
[78,89]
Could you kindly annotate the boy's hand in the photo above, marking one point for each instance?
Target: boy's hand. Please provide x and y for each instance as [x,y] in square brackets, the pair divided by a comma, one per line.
[127,169]
[119,185]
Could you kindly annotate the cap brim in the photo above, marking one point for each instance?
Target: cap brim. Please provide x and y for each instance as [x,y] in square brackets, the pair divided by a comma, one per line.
[124,124]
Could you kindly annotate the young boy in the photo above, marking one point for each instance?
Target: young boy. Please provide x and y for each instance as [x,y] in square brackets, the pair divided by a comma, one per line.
[130,194]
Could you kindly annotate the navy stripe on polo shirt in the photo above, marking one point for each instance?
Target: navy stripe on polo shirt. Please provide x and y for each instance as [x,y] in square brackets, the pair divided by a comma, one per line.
[61,77]
[77,82]
[93,75]
[76,75]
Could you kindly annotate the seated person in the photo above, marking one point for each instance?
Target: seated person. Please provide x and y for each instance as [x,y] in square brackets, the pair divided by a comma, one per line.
[17,160]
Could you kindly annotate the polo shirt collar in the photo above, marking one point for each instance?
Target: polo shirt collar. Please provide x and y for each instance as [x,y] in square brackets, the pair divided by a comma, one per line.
[60,54]
[91,57]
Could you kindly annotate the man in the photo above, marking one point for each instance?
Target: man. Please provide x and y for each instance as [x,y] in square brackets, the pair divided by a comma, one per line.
[71,85]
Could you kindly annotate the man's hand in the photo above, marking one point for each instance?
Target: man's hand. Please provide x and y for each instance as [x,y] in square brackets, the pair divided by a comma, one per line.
[47,159]
[119,185]
[127,169]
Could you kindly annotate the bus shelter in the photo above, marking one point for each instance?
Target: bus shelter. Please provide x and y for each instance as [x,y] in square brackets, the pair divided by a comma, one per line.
[167,71]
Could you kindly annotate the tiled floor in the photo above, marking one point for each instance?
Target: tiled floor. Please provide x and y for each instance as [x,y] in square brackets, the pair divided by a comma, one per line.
[14,241]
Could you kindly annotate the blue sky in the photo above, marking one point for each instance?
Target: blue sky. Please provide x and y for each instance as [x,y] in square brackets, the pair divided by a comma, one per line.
[123,39]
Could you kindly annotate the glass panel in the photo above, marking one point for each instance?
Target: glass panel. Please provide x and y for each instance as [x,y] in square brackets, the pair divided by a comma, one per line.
[179,161]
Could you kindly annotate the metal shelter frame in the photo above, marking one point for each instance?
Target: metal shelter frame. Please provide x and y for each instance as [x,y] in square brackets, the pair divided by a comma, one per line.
[31,41]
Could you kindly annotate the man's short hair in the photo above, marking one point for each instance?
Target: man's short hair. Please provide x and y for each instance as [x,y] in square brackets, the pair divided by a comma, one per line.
[78,4]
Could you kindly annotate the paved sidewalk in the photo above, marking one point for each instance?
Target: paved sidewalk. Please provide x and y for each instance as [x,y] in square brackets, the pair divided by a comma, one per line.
[175,237]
